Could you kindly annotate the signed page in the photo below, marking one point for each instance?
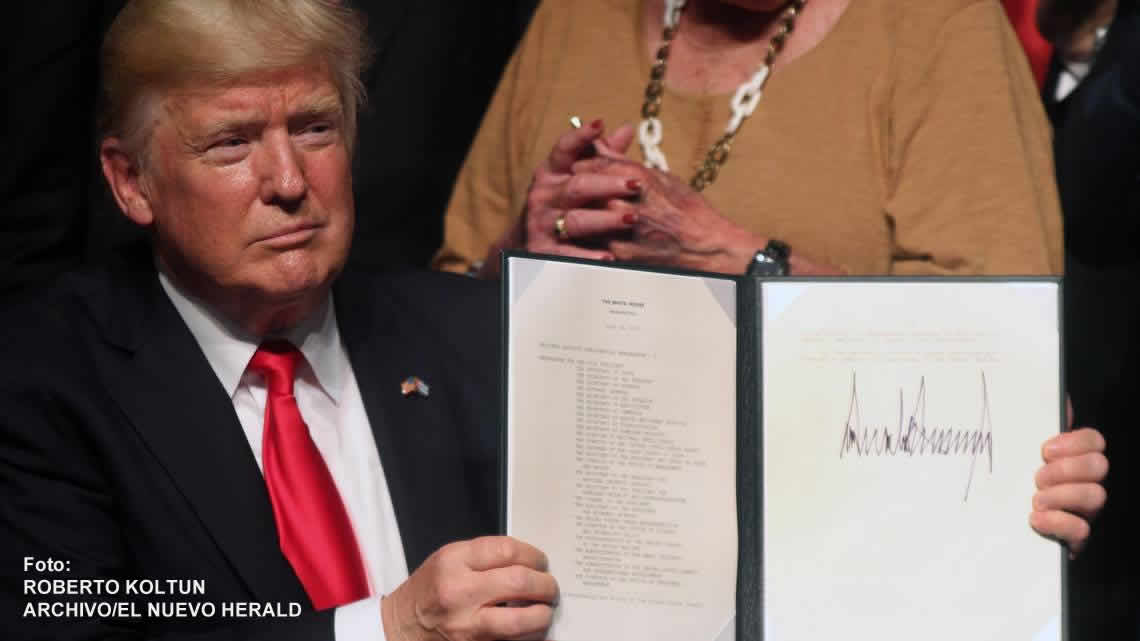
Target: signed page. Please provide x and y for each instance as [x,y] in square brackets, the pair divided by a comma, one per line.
[902,427]
[621,431]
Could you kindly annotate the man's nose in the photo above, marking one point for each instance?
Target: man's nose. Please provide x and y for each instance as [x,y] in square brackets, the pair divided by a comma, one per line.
[282,173]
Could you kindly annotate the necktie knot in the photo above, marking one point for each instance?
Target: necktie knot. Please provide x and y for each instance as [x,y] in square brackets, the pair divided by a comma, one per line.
[277,362]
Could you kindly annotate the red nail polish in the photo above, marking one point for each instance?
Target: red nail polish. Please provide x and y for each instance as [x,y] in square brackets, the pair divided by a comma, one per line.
[633,184]
[629,219]
[597,124]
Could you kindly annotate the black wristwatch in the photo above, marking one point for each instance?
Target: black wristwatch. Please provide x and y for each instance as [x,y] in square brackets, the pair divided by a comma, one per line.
[771,261]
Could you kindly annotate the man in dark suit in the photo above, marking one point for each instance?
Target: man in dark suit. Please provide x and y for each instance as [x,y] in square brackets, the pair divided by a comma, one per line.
[228,404]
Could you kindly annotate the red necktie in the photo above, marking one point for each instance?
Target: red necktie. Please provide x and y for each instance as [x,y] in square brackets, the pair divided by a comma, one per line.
[1023,15]
[312,524]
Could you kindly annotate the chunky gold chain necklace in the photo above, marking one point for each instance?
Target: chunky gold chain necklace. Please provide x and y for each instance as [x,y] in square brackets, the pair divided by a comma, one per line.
[744,101]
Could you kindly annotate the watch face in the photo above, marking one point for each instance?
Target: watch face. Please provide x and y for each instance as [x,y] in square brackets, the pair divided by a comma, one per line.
[763,265]
[771,261]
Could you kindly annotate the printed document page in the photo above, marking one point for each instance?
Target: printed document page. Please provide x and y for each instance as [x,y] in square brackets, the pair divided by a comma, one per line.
[621,433]
[902,427]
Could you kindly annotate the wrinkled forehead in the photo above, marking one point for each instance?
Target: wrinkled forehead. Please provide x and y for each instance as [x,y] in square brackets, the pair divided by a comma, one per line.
[264,96]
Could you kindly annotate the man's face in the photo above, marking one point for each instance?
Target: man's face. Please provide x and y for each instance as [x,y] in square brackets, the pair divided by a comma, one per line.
[250,188]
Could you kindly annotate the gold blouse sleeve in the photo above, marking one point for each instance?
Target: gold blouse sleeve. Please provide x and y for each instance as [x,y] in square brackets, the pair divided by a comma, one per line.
[970,177]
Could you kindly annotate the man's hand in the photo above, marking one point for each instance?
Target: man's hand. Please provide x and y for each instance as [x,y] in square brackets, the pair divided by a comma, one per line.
[458,592]
[1069,491]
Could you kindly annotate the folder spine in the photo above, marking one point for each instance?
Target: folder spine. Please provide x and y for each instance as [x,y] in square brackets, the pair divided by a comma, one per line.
[749,466]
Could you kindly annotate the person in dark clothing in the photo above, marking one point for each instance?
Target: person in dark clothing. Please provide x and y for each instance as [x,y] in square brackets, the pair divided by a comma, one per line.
[1097,149]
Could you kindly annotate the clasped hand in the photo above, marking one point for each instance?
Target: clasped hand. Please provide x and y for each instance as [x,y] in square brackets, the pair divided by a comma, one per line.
[588,200]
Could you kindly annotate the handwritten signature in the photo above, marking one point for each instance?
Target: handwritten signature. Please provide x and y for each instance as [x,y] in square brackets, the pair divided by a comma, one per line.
[916,437]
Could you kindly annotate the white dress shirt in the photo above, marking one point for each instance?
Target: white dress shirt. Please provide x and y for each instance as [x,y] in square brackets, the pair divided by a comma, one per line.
[331,405]
[1073,72]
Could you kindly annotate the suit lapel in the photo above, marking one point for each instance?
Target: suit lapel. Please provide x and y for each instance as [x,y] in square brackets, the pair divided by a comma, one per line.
[170,394]
[194,433]
[415,436]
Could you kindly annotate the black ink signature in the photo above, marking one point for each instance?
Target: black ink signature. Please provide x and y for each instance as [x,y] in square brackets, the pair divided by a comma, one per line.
[916,438]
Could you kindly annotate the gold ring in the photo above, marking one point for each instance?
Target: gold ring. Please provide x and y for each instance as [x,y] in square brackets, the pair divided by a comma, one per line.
[560,228]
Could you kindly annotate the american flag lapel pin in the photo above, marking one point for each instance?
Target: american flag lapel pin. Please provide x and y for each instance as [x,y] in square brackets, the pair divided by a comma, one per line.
[414,386]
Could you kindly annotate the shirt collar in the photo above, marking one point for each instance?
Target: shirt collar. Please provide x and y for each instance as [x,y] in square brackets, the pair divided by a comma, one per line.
[229,348]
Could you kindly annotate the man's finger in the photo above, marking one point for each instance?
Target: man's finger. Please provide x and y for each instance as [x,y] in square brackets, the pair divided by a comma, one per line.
[491,552]
[522,623]
[517,583]
[572,146]
[1055,524]
[1086,468]
[1085,499]
[1073,443]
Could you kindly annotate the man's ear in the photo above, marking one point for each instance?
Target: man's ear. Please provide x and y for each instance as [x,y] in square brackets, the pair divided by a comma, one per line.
[124,178]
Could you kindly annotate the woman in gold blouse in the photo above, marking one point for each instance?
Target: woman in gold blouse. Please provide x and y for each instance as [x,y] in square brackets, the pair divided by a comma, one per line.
[892,137]
[839,136]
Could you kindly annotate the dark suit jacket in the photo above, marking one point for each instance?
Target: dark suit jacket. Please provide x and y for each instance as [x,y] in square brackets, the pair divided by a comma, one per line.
[120,452]
[1097,147]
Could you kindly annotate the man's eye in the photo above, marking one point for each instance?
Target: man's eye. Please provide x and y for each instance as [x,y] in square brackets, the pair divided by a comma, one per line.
[318,131]
[227,150]
[230,142]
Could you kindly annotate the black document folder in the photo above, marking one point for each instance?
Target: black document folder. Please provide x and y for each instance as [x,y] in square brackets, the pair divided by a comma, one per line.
[884,434]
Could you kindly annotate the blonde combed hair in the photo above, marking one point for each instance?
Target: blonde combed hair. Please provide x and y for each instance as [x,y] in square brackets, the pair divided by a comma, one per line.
[157,45]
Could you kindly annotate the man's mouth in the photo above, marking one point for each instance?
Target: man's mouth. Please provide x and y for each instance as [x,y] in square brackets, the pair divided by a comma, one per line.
[291,235]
